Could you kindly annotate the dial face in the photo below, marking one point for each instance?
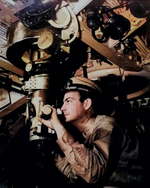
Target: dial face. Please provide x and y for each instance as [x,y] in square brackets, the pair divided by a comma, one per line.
[45,40]
[28,67]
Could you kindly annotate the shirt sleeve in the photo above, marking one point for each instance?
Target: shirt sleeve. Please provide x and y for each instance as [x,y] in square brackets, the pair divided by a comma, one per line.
[87,162]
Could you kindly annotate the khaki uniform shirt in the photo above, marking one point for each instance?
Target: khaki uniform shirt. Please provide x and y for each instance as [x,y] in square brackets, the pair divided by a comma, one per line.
[89,160]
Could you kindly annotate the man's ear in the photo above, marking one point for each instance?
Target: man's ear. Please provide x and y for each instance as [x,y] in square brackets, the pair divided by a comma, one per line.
[87,103]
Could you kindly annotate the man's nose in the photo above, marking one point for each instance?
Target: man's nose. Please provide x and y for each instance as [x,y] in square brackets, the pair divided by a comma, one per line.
[63,108]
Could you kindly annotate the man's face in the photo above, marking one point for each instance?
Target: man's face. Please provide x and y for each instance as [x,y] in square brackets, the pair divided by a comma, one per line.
[72,108]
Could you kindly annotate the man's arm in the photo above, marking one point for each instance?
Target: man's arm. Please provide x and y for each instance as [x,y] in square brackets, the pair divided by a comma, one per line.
[88,163]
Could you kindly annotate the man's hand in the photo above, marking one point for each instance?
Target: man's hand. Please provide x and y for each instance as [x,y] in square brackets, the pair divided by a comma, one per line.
[54,123]
[45,122]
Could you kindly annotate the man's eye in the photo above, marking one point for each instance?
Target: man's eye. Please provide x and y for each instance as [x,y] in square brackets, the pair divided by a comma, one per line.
[68,101]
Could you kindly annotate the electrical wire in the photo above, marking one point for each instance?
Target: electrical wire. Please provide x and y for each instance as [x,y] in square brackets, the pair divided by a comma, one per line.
[76,22]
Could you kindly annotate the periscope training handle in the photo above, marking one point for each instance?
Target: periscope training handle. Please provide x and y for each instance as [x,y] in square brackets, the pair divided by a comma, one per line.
[46,114]
[47,111]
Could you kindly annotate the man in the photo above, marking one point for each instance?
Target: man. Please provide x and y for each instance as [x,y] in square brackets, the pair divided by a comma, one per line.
[93,160]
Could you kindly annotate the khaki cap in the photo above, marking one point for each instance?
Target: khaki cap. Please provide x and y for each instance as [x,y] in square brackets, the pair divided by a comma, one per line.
[82,83]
